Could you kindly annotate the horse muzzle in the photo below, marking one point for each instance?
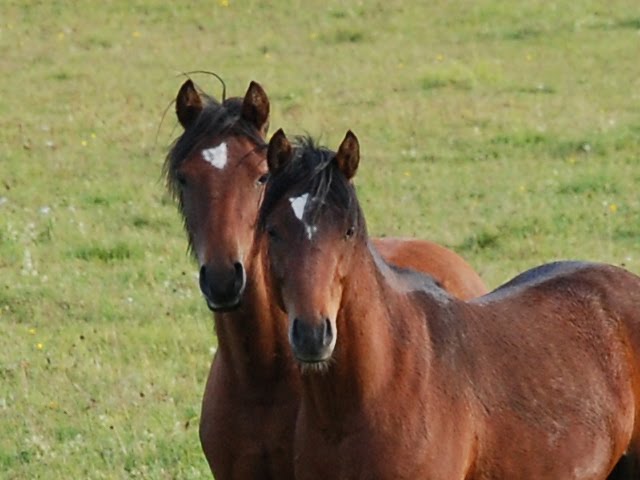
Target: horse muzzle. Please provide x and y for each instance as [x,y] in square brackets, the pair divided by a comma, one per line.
[312,341]
[223,287]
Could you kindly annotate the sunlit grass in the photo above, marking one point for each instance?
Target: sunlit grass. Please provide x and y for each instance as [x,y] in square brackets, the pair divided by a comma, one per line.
[509,132]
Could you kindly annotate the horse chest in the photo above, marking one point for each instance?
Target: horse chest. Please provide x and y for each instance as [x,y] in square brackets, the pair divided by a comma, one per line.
[245,433]
[377,447]
[249,442]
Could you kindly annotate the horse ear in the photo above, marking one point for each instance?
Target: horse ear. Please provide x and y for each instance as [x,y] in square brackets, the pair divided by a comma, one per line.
[348,155]
[279,152]
[255,108]
[188,104]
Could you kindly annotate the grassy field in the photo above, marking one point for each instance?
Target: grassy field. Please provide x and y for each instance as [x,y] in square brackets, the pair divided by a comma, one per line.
[509,131]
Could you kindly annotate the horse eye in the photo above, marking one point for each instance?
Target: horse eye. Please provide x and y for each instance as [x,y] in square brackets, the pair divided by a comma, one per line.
[273,235]
[263,179]
[181,179]
[350,232]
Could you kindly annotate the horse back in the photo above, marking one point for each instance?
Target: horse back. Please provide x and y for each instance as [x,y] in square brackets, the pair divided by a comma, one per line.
[449,269]
[534,276]
[557,349]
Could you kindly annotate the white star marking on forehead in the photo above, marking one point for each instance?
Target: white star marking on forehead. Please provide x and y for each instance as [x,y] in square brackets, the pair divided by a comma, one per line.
[298,205]
[216,156]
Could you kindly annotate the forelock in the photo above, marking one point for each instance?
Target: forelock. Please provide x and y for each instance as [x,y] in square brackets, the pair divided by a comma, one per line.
[312,171]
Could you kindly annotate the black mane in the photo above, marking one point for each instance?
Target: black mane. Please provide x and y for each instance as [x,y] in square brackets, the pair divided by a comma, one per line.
[215,119]
[313,170]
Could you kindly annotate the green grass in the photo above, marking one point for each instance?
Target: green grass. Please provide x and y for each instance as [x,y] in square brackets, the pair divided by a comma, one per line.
[507,131]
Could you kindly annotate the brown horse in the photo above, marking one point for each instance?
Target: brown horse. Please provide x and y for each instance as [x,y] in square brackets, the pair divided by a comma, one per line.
[217,170]
[536,380]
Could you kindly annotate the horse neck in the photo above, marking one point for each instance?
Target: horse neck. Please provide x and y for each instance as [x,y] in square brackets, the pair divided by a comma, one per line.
[378,317]
[252,340]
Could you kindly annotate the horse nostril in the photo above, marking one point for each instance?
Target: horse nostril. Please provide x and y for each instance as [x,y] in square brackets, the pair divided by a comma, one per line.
[328,332]
[295,332]
[240,276]
[203,278]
